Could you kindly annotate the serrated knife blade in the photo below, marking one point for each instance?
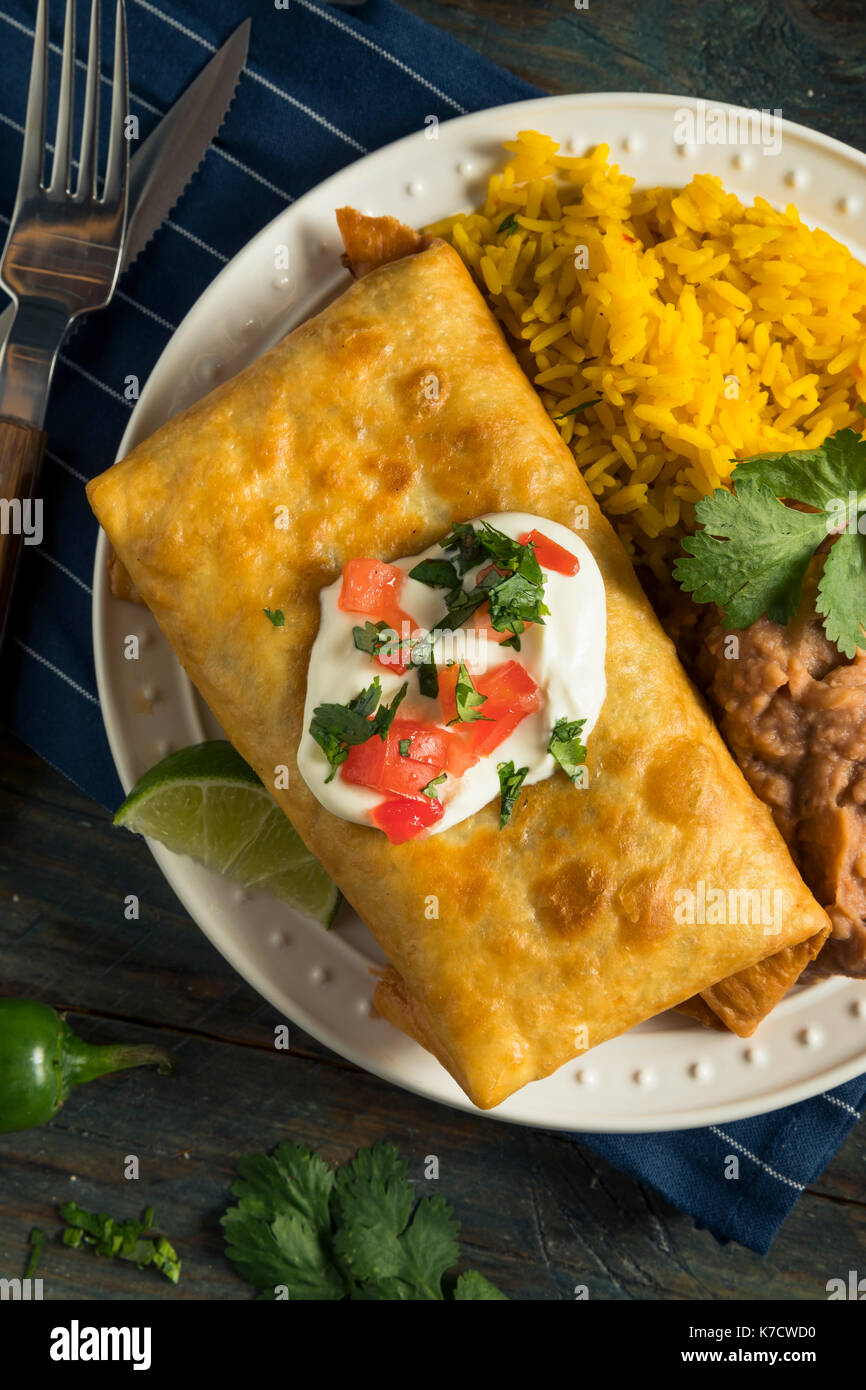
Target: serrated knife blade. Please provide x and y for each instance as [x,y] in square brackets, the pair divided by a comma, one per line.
[161,168]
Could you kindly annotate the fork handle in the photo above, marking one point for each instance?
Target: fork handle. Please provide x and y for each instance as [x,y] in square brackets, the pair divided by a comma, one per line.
[21,450]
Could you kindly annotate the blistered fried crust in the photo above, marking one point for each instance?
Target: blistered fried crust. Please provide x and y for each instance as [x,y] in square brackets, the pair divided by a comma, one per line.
[519,947]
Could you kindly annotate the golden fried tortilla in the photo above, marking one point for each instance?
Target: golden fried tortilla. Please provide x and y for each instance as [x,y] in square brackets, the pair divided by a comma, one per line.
[511,951]
[740,1002]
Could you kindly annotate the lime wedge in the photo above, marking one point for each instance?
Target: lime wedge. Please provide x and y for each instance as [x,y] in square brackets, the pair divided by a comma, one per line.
[205,801]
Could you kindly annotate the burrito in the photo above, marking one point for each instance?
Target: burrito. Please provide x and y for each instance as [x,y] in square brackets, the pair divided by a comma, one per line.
[523,928]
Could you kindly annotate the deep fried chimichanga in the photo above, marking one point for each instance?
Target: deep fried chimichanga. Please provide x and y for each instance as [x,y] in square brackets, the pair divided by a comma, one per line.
[568,926]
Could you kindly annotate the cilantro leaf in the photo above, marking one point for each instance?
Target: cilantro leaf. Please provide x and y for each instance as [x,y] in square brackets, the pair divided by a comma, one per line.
[337,728]
[355,1234]
[461,606]
[566,747]
[369,638]
[276,616]
[404,745]
[510,554]
[514,585]
[752,555]
[429,790]
[428,679]
[508,225]
[437,574]
[812,476]
[280,1230]
[841,593]
[472,1286]
[510,783]
[516,602]
[753,552]
[467,698]
[388,1254]
[462,539]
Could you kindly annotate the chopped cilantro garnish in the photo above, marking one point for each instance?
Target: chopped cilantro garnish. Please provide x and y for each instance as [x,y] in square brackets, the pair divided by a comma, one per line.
[577,409]
[753,551]
[276,616]
[337,728]
[510,783]
[132,1240]
[369,638]
[467,698]
[516,602]
[428,680]
[462,605]
[430,789]
[37,1244]
[509,554]
[507,225]
[462,539]
[404,745]
[514,584]
[437,574]
[566,747]
[302,1229]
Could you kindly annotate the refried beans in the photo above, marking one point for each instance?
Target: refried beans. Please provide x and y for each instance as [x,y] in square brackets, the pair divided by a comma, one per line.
[792,710]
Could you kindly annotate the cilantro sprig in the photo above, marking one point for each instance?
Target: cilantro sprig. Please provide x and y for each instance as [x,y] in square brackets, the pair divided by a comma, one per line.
[753,552]
[355,1233]
[337,728]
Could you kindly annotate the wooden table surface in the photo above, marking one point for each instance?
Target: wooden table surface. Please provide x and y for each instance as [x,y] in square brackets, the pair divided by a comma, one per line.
[539,1215]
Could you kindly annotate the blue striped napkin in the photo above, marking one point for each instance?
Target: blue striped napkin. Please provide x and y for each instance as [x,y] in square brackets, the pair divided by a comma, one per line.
[322,87]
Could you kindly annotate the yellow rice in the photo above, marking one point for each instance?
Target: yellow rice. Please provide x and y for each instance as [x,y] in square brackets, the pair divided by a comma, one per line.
[707,331]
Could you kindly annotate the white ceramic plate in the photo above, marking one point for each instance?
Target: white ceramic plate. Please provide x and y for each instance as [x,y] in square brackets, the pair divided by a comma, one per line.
[668,1073]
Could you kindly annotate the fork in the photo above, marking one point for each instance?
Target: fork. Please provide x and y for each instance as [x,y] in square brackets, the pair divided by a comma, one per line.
[61,260]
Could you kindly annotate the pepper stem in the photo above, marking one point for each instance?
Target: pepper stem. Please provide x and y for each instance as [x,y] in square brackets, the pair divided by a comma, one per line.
[81,1061]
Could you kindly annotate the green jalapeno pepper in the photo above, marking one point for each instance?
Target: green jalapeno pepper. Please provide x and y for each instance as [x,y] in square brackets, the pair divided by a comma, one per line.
[41,1059]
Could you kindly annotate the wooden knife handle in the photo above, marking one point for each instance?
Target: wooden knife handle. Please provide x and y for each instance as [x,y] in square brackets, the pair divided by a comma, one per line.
[21,450]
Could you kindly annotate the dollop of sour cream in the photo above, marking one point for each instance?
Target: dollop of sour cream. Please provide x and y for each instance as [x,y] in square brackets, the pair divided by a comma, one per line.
[564,655]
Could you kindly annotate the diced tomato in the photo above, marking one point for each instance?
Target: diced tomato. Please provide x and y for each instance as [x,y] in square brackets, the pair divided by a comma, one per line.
[404,818]
[511,695]
[447,691]
[383,768]
[372,587]
[365,763]
[510,686]
[483,737]
[378,765]
[440,749]
[550,555]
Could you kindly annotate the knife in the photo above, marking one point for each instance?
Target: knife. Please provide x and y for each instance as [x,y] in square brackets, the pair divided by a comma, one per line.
[161,168]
